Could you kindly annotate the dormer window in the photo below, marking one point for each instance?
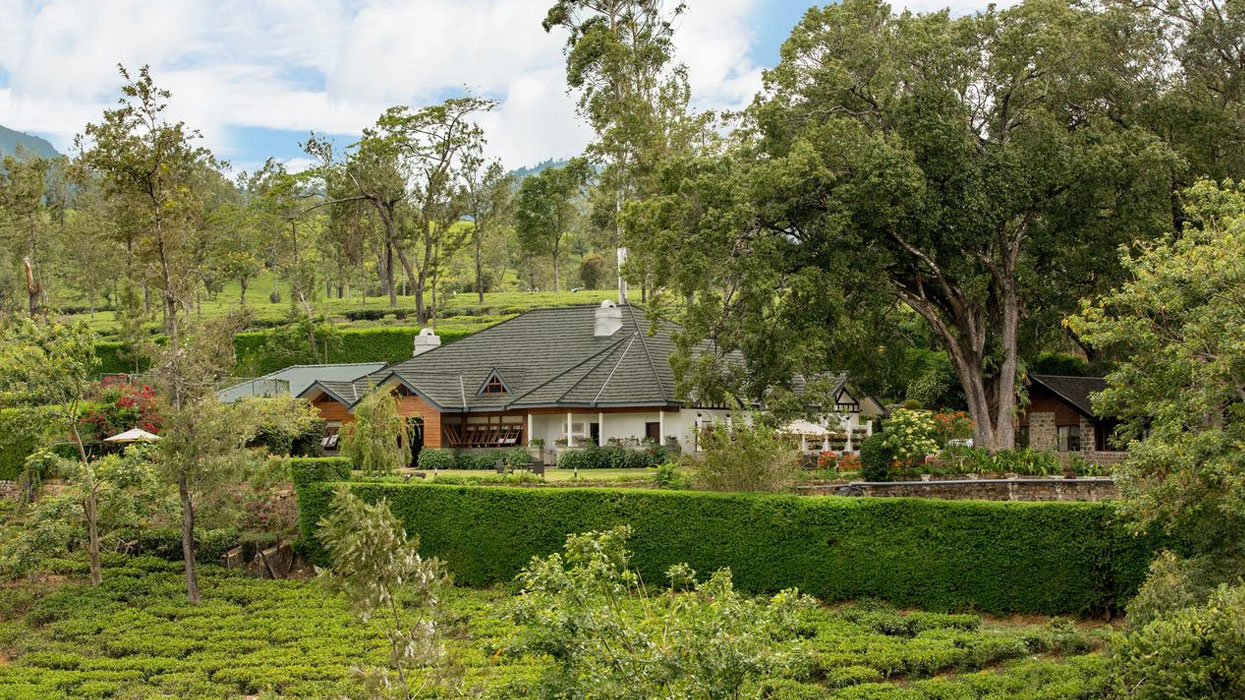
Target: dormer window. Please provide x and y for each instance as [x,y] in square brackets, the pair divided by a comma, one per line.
[494,384]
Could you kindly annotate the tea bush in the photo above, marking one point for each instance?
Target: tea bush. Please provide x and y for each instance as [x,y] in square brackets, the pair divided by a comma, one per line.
[136,637]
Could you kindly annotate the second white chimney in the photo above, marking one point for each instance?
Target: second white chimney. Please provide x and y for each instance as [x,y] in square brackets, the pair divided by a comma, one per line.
[608,319]
[426,340]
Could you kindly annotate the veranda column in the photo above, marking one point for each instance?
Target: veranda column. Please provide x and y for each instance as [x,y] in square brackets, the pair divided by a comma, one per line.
[570,438]
[530,429]
[661,427]
[600,428]
[849,434]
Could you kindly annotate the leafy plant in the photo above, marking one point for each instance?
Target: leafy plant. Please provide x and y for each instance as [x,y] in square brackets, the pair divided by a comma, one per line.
[745,457]
[374,565]
[610,638]
[378,439]
[876,458]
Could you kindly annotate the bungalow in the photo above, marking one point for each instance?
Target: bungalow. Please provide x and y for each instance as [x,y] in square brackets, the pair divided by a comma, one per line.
[558,376]
[1060,417]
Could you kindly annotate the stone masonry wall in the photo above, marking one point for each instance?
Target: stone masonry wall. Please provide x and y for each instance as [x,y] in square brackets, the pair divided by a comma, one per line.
[1042,435]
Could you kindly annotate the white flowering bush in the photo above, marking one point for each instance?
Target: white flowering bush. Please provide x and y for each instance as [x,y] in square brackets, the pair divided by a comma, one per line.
[911,434]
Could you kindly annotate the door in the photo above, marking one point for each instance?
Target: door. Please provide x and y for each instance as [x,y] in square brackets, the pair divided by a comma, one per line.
[594,433]
[652,431]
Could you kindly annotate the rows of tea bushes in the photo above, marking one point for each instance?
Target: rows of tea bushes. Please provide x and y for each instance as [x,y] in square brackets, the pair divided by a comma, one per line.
[137,637]
[1052,558]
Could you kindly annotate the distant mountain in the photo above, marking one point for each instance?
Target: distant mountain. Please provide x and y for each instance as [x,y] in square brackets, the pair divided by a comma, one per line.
[10,140]
[534,169]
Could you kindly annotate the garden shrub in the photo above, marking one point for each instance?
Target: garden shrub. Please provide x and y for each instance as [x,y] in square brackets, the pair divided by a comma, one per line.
[22,431]
[304,470]
[166,543]
[746,457]
[939,555]
[1189,654]
[876,458]
[611,457]
[911,434]
[431,458]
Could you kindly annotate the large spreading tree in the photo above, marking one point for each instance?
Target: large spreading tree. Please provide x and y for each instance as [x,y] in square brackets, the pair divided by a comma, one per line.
[963,167]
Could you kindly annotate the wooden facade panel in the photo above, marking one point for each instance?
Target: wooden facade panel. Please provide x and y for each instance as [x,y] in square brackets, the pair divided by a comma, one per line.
[330,410]
[409,405]
[1043,401]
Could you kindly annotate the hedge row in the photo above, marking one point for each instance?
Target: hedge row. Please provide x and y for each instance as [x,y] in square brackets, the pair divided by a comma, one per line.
[612,457]
[439,458]
[386,344]
[1047,558]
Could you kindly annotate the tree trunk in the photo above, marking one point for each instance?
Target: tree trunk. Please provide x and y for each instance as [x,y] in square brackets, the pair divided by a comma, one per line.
[479,269]
[188,540]
[91,509]
[556,286]
[242,299]
[393,292]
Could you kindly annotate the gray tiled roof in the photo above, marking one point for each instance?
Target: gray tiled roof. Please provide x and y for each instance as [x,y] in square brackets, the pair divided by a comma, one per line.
[547,357]
[298,378]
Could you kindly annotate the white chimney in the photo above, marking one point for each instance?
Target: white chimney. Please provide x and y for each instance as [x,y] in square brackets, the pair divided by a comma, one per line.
[608,319]
[426,340]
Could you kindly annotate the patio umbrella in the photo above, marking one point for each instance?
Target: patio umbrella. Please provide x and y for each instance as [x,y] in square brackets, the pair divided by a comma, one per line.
[133,435]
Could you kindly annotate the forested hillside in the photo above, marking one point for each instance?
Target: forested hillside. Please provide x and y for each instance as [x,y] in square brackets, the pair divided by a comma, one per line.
[10,140]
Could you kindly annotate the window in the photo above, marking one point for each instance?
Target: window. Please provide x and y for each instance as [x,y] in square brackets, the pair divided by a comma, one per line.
[1022,436]
[494,385]
[330,437]
[1069,437]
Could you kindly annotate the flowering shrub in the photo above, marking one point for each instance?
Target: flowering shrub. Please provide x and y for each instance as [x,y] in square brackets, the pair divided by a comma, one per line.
[849,463]
[122,407]
[953,425]
[828,459]
[911,434]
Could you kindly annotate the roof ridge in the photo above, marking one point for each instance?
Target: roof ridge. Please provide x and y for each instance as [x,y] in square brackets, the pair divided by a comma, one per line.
[604,357]
[614,369]
[603,351]
[644,344]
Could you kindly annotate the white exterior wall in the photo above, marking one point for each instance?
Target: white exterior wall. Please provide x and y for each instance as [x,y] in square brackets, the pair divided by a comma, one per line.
[625,425]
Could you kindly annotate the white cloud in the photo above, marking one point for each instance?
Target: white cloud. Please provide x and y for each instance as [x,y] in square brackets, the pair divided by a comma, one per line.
[330,65]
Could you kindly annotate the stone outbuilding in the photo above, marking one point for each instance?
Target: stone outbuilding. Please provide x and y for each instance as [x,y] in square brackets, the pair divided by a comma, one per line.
[1060,417]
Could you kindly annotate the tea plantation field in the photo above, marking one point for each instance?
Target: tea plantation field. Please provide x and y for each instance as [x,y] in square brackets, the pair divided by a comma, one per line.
[136,637]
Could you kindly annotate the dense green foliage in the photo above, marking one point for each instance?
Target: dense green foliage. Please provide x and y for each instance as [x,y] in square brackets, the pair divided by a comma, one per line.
[431,458]
[136,637]
[595,456]
[876,458]
[1189,654]
[23,431]
[941,555]
[1179,328]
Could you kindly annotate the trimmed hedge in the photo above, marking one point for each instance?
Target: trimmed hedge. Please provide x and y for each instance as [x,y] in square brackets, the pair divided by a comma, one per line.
[439,458]
[1048,558]
[612,457]
[386,344]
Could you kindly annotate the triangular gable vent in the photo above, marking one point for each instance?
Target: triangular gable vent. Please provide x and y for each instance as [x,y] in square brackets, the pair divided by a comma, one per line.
[494,385]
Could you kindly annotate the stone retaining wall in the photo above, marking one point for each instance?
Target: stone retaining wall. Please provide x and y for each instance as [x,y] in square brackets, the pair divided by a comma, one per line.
[1019,489]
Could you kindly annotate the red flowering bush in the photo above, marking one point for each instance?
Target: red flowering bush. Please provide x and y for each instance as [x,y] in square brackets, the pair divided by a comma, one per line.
[849,463]
[953,425]
[122,407]
[828,459]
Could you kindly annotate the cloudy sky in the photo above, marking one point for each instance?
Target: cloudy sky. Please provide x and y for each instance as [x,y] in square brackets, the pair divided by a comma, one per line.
[254,76]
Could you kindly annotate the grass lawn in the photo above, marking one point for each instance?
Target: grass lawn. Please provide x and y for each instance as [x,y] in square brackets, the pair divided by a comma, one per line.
[136,637]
